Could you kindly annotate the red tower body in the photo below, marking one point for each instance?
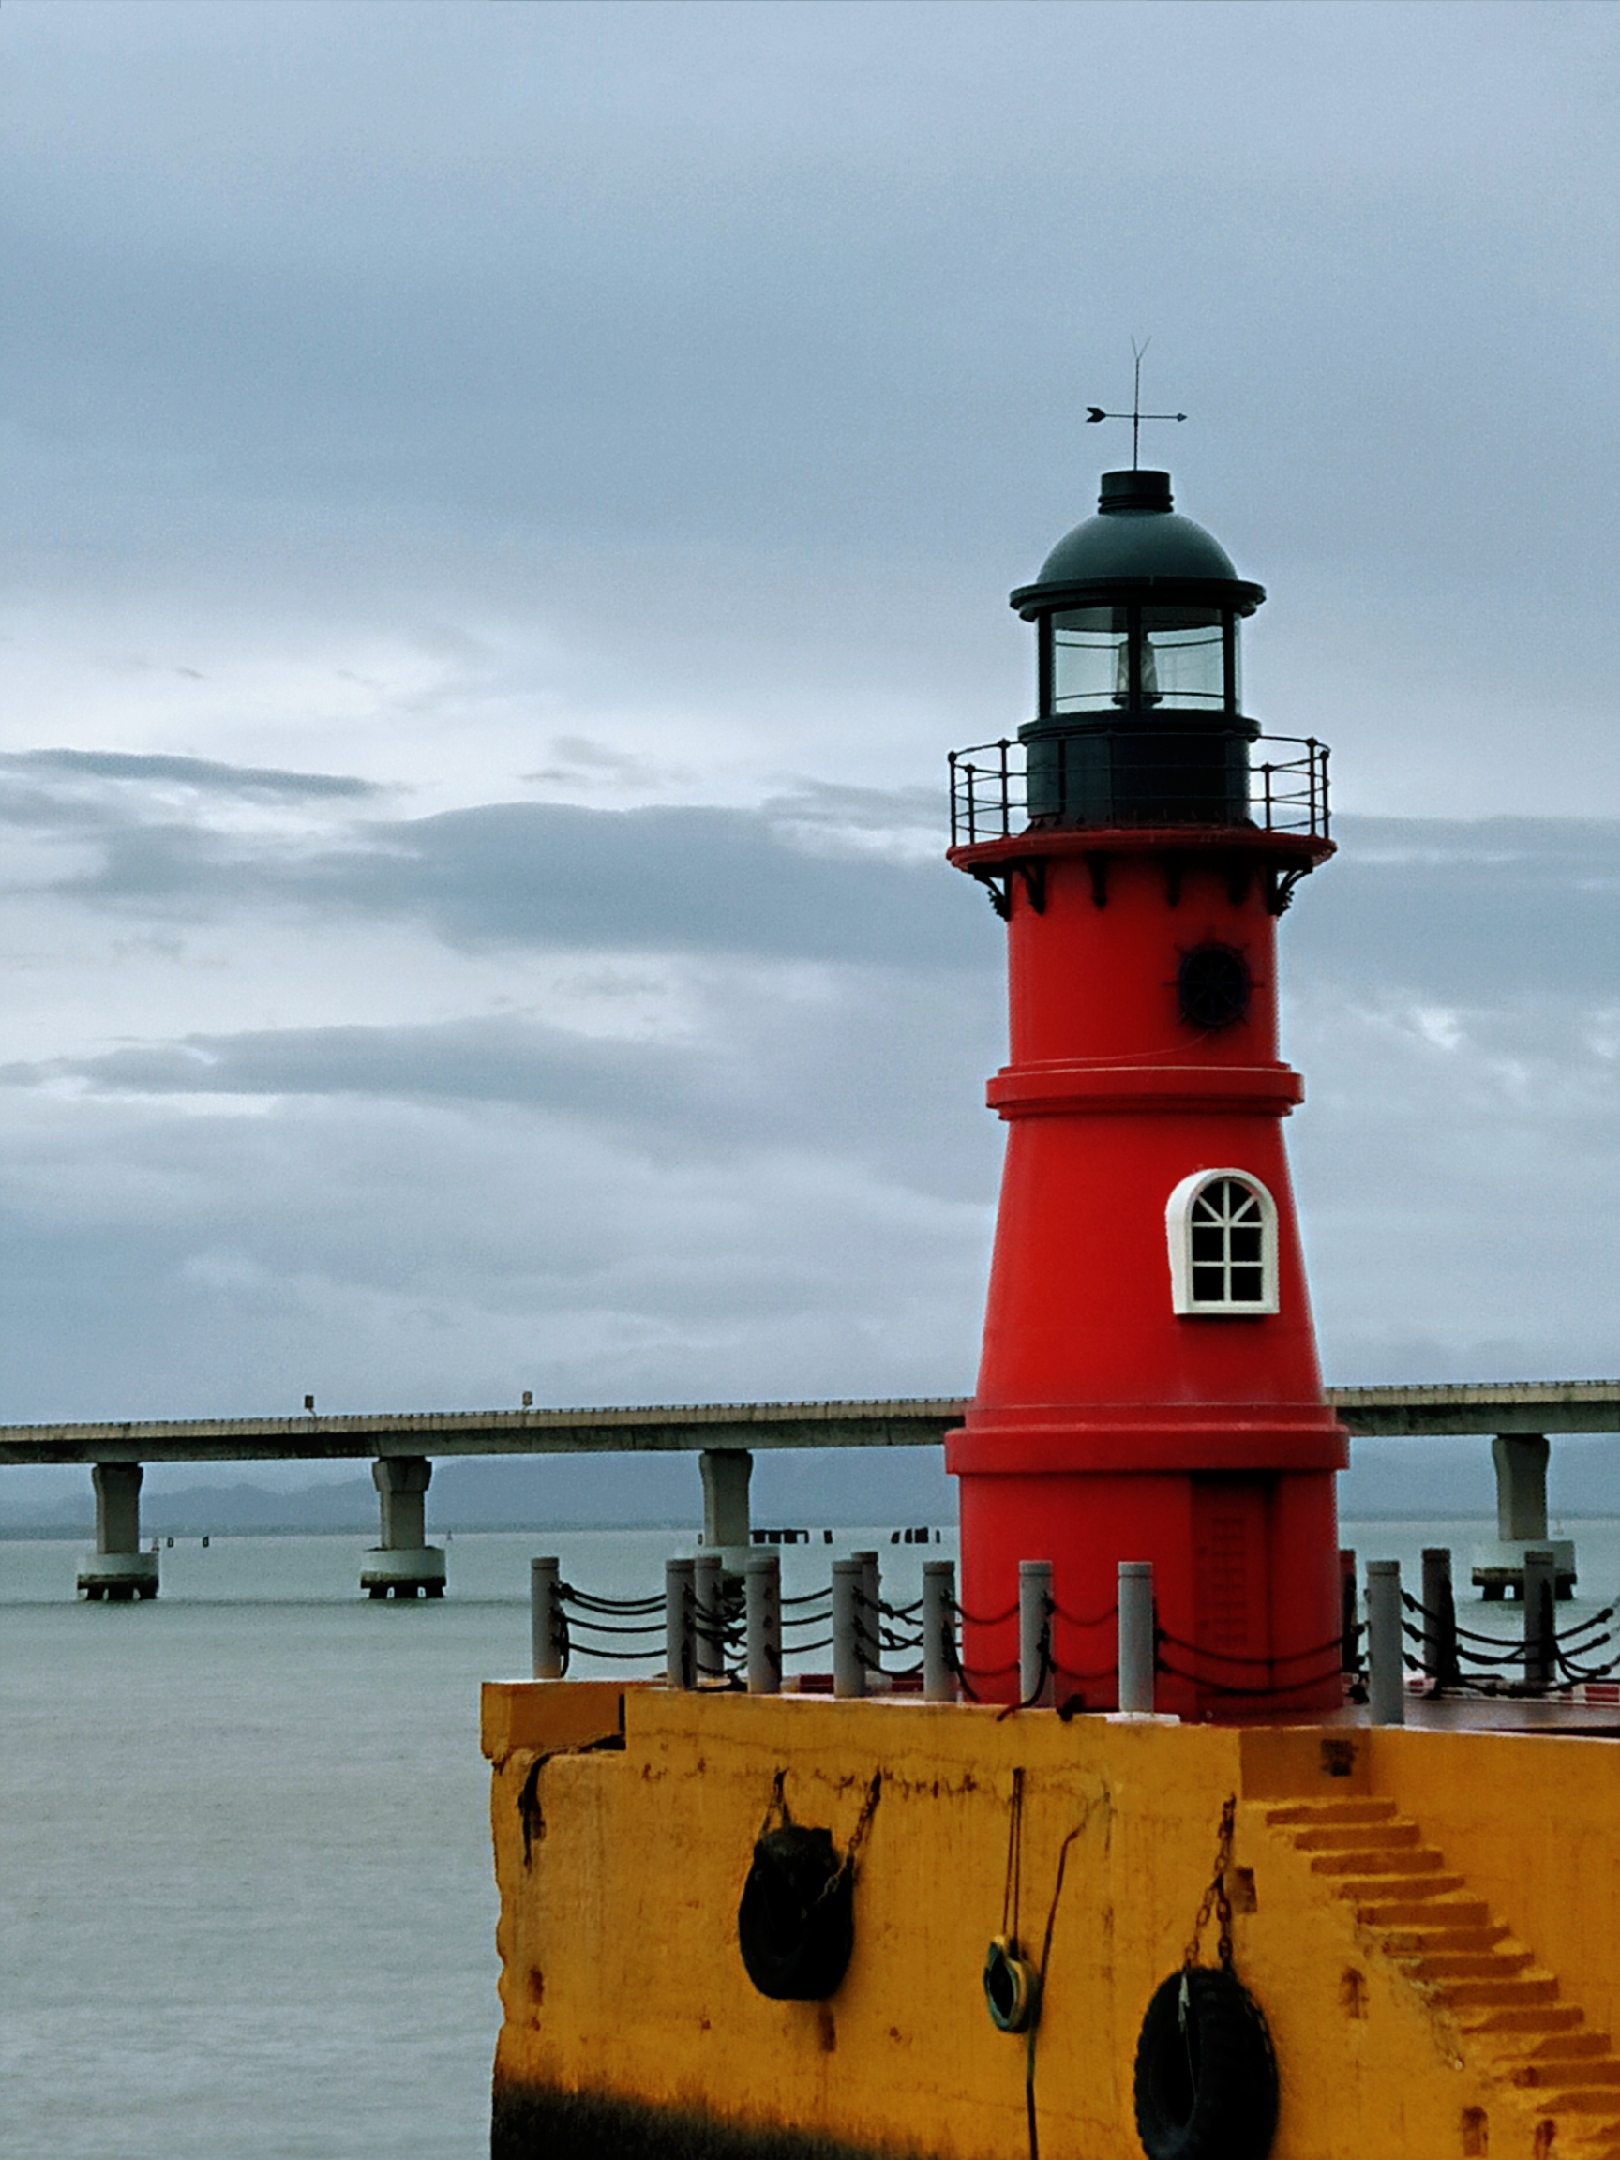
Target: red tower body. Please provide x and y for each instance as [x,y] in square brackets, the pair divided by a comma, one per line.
[1149,1388]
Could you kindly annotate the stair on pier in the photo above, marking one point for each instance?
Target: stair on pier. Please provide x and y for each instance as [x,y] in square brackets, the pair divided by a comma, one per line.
[1508,2013]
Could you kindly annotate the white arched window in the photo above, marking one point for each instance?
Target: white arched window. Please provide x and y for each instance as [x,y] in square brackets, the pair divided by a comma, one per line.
[1222,1227]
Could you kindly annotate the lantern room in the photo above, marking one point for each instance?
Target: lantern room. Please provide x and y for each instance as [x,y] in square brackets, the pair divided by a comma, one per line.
[1140,716]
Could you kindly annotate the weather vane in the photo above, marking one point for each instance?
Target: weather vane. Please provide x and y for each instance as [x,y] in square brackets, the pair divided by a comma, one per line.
[1136,415]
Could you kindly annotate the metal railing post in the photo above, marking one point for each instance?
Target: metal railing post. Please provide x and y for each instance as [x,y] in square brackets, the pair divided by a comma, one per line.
[1006,822]
[762,1606]
[939,1631]
[951,761]
[1439,1618]
[546,1640]
[1386,1665]
[1035,1633]
[849,1667]
[709,1614]
[1136,1647]
[1540,1586]
[680,1624]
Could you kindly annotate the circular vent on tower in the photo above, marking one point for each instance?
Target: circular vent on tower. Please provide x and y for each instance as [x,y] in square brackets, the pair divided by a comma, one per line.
[1213,986]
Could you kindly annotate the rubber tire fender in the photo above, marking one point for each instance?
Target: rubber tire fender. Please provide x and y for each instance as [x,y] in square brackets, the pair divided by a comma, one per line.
[796,1923]
[1206,2078]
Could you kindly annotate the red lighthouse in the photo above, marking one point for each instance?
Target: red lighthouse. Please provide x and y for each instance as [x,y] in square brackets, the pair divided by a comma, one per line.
[1149,1388]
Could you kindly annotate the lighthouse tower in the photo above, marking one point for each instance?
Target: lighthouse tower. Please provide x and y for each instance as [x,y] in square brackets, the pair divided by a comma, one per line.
[1149,1389]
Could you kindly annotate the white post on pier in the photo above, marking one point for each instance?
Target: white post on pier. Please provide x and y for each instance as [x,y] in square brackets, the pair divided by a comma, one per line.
[118,1569]
[848,1588]
[939,1630]
[1035,1677]
[762,1619]
[680,1625]
[1386,1661]
[869,1613]
[1136,1647]
[547,1636]
[710,1611]
[1540,1589]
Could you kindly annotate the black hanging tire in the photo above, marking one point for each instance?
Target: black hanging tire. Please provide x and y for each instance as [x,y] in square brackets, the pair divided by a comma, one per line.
[1206,2079]
[796,1923]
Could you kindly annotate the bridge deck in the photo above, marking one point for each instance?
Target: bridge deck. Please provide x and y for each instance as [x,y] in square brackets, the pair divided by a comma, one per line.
[1554,1406]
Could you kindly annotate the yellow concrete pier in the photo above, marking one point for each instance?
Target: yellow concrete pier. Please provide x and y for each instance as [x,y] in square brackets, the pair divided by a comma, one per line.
[1429,1921]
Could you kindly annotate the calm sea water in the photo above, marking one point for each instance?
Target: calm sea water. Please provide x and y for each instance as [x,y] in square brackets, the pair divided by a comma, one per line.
[246,1903]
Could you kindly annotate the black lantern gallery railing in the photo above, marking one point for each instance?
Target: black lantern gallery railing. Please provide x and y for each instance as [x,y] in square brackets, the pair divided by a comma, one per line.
[1275,783]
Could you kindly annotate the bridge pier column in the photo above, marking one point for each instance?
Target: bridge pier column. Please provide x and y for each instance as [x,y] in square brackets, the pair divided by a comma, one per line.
[726,1530]
[1521,1461]
[118,1569]
[404,1564]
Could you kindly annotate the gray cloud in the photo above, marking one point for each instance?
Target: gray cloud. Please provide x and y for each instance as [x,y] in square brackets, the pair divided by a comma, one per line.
[207,775]
[665,878]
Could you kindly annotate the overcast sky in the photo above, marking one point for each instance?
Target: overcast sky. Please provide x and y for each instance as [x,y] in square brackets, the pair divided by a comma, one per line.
[508,507]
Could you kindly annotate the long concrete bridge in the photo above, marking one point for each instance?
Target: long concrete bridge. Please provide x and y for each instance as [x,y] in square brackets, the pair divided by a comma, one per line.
[401,1447]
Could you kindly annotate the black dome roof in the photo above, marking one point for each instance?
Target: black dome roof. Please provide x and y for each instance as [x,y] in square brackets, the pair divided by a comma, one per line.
[1136,542]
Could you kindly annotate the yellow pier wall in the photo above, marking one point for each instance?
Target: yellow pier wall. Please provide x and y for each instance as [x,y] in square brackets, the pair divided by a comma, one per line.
[622,1979]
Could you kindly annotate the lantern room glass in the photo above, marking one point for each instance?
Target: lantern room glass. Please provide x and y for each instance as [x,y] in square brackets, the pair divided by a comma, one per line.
[1090,659]
[1138,659]
[1184,657]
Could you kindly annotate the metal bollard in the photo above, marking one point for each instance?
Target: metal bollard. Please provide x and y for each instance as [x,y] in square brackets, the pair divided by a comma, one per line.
[1540,1647]
[939,1630]
[1386,1664]
[710,1613]
[871,1618]
[848,1587]
[1439,1618]
[1136,1647]
[680,1624]
[1035,1634]
[548,1639]
[762,1608]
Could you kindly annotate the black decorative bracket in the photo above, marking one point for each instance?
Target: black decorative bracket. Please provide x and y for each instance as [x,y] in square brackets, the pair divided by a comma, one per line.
[998,884]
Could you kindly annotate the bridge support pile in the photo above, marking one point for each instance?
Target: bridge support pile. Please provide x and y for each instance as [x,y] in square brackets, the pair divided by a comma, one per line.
[118,1569]
[404,1564]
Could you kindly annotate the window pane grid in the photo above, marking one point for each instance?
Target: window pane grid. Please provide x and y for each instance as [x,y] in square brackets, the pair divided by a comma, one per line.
[1228,1228]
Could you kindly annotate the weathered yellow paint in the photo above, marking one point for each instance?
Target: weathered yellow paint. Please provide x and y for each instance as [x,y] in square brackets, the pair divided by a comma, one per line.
[621,1973]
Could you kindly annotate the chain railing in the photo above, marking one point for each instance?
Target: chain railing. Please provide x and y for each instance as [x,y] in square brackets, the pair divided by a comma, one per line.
[713,1628]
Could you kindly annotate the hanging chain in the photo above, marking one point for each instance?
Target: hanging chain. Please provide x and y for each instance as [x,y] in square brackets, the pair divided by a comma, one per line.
[863,1824]
[1217,1903]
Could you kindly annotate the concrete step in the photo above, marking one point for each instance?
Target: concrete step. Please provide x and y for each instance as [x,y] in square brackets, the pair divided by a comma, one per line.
[1563,2047]
[1569,2076]
[1418,1904]
[1524,1988]
[1407,1942]
[1469,1964]
[1329,1811]
[1397,1860]
[1539,2018]
[1356,1837]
